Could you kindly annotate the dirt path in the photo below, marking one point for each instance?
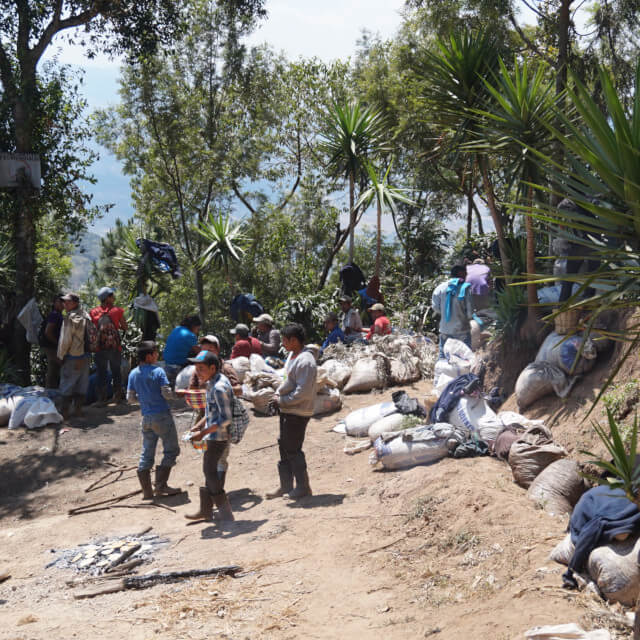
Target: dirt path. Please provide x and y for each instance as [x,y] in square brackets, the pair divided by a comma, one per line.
[453,550]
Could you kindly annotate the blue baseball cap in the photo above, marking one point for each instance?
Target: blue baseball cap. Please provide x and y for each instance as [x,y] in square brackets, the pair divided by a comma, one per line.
[104,293]
[205,357]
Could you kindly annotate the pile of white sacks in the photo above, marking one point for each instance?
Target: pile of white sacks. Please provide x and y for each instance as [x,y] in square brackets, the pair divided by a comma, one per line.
[30,407]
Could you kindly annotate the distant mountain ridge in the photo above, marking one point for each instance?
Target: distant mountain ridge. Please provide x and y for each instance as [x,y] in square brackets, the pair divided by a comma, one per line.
[86,253]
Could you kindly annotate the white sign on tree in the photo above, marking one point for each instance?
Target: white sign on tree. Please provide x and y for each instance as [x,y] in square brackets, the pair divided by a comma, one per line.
[15,165]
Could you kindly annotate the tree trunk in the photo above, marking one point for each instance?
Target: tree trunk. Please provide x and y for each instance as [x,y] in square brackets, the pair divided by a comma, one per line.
[478,218]
[202,310]
[564,22]
[379,240]
[497,223]
[352,213]
[469,209]
[532,291]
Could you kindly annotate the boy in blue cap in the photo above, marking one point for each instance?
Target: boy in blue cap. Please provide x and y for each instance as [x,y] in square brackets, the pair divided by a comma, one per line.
[150,385]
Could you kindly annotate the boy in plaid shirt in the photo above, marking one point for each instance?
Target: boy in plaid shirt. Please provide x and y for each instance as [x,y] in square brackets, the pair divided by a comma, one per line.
[213,428]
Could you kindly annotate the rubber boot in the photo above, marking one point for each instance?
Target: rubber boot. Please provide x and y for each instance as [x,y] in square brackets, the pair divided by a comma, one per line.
[224,508]
[206,507]
[162,488]
[299,465]
[144,477]
[78,401]
[222,475]
[65,408]
[286,481]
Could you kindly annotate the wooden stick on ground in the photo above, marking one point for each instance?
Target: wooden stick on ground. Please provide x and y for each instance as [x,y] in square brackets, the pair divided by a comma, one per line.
[124,496]
[122,557]
[275,444]
[143,582]
[384,546]
[93,487]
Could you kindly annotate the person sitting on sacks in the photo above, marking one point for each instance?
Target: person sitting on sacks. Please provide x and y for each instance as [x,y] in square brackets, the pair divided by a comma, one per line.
[295,398]
[214,429]
[452,301]
[351,321]
[267,335]
[381,325]
[335,332]
[149,384]
[245,344]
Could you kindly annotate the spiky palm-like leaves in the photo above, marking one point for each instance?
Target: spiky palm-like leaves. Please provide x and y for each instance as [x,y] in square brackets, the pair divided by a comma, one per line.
[352,134]
[225,240]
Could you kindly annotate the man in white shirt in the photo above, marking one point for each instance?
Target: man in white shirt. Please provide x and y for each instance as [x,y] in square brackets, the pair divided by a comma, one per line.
[351,322]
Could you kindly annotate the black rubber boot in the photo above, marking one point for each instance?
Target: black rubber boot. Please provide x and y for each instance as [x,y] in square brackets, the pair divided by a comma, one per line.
[299,464]
[144,477]
[224,508]
[118,394]
[206,507]
[286,481]
[162,488]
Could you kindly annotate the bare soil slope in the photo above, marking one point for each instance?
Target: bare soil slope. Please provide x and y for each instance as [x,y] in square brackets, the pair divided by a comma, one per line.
[452,550]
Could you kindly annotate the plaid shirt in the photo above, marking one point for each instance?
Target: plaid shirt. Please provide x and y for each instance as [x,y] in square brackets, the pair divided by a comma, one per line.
[218,409]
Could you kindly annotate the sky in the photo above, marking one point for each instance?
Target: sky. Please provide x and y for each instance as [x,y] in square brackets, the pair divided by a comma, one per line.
[327,29]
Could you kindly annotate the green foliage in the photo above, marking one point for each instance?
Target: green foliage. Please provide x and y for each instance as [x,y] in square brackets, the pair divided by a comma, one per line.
[309,311]
[621,398]
[225,242]
[8,371]
[510,307]
[623,468]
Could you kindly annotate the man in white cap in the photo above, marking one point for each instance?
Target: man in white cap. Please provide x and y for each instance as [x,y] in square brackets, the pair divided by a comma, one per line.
[381,325]
[267,335]
[109,321]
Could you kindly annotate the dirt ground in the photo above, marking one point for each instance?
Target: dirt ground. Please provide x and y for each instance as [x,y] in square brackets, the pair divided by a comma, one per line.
[452,550]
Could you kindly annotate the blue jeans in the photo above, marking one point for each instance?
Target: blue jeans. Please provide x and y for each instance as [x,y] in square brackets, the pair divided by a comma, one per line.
[158,426]
[466,338]
[112,359]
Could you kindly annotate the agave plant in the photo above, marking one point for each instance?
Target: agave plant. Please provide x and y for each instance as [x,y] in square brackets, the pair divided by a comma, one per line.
[225,243]
[352,133]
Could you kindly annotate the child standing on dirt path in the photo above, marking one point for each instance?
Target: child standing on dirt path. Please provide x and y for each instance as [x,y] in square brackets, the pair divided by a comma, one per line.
[150,385]
[214,428]
[295,398]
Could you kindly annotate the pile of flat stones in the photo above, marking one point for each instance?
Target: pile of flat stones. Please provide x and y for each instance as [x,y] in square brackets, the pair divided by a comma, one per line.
[94,557]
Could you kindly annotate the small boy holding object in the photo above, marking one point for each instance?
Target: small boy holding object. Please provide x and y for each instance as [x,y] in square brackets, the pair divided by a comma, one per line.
[149,384]
[214,429]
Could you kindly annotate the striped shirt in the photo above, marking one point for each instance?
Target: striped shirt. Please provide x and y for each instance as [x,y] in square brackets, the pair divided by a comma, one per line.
[218,409]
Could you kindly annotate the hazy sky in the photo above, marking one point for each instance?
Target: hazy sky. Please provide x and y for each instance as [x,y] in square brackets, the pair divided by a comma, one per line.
[327,29]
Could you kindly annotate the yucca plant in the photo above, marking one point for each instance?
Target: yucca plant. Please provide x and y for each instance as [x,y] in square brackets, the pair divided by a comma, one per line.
[601,174]
[225,240]
[386,198]
[352,133]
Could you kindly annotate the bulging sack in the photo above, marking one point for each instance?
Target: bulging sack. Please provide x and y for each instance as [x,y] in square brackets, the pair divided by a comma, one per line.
[327,401]
[405,371]
[385,425]
[532,453]
[614,567]
[184,376]
[563,353]
[336,371]
[242,366]
[260,398]
[421,445]
[539,379]
[476,416]
[368,374]
[558,487]
[357,423]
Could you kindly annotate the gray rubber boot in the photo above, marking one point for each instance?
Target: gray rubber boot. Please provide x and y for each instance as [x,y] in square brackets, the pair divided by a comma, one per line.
[162,488]
[299,464]
[224,508]
[144,477]
[206,507]
[286,481]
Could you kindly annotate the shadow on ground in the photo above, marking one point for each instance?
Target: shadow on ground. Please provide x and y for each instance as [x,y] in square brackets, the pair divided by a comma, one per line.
[22,477]
[321,500]
[226,530]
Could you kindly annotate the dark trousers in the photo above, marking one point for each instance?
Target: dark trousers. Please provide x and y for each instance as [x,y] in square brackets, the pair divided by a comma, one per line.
[574,266]
[111,359]
[292,431]
[215,450]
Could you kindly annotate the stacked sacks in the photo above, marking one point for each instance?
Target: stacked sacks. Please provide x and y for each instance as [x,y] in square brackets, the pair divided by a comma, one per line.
[558,487]
[458,361]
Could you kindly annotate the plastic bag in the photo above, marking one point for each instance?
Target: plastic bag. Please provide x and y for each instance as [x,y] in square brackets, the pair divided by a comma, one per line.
[357,423]
[570,631]
[20,411]
[476,416]
[539,379]
[258,364]
[40,413]
[183,378]
[558,487]
[7,407]
[563,551]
